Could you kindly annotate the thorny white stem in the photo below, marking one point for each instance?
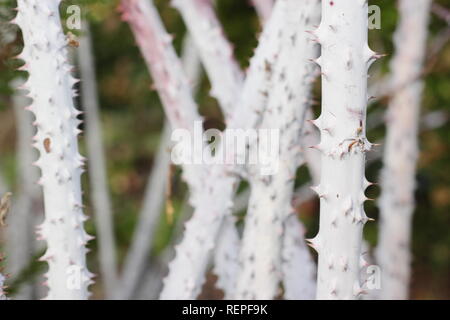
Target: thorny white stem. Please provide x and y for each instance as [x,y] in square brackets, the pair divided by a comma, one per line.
[97,165]
[381,86]
[401,150]
[7,35]
[226,80]
[21,220]
[50,86]
[297,265]
[151,281]
[345,60]
[271,195]
[441,12]
[263,9]
[135,260]
[215,51]
[187,270]
[166,68]
[2,277]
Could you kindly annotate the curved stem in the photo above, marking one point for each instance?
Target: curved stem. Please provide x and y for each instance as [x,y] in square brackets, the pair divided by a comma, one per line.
[401,151]
[186,271]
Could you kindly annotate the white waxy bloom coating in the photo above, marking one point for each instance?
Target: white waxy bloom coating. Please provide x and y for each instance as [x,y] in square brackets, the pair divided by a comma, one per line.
[25,210]
[401,151]
[298,267]
[271,195]
[50,87]
[2,285]
[175,93]
[345,60]
[186,271]
[216,52]
[97,166]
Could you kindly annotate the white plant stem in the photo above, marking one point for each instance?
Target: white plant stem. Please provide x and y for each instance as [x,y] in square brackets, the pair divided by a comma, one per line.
[175,92]
[271,195]
[226,80]
[138,253]
[297,265]
[97,165]
[401,150]
[167,71]
[187,270]
[50,87]
[345,60]
[20,243]
[303,194]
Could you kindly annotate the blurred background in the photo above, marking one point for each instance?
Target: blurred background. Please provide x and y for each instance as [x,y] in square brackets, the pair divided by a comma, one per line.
[132,121]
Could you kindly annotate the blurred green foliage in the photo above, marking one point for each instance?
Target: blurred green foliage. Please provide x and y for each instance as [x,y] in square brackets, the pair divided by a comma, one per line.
[132,119]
